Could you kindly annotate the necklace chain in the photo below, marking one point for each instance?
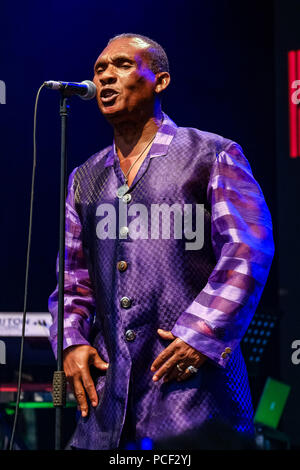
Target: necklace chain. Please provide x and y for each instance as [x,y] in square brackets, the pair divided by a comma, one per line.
[131,166]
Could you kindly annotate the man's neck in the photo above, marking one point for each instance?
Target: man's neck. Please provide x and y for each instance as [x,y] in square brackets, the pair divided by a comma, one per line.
[132,136]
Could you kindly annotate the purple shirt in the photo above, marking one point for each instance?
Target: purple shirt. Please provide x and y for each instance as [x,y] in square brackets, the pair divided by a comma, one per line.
[218,286]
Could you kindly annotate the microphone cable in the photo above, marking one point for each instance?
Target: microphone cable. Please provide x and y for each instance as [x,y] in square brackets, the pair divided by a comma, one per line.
[11,443]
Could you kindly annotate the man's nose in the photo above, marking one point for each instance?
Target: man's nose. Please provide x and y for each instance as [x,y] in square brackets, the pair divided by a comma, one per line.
[108,77]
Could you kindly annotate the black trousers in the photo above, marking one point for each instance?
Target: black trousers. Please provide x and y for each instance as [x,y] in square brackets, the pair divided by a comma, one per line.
[128,434]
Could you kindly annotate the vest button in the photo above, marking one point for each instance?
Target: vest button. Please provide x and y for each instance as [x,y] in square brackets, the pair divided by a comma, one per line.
[130,335]
[126,198]
[125,302]
[124,231]
[122,265]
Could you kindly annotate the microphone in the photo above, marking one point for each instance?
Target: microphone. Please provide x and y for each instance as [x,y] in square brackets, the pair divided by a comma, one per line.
[86,90]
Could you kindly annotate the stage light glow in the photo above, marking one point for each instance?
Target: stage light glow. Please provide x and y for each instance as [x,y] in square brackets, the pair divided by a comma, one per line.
[294,102]
[146,443]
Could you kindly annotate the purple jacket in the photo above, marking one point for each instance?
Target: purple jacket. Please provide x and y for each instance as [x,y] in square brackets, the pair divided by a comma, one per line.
[188,249]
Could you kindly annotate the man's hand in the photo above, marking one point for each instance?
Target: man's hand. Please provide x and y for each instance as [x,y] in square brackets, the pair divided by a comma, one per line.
[178,352]
[77,360]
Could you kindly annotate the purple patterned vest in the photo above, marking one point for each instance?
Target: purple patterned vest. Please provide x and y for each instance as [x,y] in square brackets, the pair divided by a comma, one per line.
[159,280]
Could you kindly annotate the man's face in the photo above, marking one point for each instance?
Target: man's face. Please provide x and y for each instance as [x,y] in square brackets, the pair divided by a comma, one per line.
[125,84]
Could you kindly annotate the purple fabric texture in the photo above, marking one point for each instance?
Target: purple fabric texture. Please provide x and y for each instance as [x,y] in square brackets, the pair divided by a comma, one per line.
[206,296]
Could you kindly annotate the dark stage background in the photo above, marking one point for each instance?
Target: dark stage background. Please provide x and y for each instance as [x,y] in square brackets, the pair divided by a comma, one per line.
[228,69]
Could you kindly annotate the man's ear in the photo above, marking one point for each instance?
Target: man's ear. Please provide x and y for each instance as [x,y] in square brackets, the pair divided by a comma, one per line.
[162,81]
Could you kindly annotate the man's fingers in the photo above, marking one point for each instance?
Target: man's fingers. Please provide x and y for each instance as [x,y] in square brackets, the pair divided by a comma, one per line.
[96,360]
[166,353]
[173,374]
[90,387]
[80,397]
[178,352]
[165,369]
[185,375]
[77,360]
[166,334]
[163,357]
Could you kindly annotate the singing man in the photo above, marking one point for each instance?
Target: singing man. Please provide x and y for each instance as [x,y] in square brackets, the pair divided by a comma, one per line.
[152,329]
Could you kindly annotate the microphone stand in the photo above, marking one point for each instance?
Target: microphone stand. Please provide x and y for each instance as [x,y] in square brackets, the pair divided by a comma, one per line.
[59,377]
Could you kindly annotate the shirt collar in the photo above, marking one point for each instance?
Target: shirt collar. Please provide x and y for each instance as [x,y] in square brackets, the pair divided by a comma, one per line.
[160,146]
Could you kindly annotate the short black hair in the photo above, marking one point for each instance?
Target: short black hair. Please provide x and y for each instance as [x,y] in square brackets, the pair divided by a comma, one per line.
[158,60]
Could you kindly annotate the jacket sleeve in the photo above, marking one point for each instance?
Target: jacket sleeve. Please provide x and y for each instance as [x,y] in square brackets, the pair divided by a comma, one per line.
[242,240]
[79,302]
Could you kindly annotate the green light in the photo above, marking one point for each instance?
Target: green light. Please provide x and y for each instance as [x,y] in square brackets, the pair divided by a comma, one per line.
[34,405]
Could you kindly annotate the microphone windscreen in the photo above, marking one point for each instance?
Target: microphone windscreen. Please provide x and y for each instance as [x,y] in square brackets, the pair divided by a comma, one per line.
[91,90]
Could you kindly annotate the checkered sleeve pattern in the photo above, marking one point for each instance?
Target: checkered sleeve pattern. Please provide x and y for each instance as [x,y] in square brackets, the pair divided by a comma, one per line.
[79,302]
[242,240]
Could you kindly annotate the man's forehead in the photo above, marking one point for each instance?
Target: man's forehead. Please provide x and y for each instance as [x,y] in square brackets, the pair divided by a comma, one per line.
[125,46]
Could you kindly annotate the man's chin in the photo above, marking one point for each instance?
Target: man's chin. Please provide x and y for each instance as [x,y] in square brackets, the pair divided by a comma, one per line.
[107,110]
[112,113]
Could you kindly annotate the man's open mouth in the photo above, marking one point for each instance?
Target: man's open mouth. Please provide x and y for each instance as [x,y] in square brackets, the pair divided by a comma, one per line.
[108,95]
